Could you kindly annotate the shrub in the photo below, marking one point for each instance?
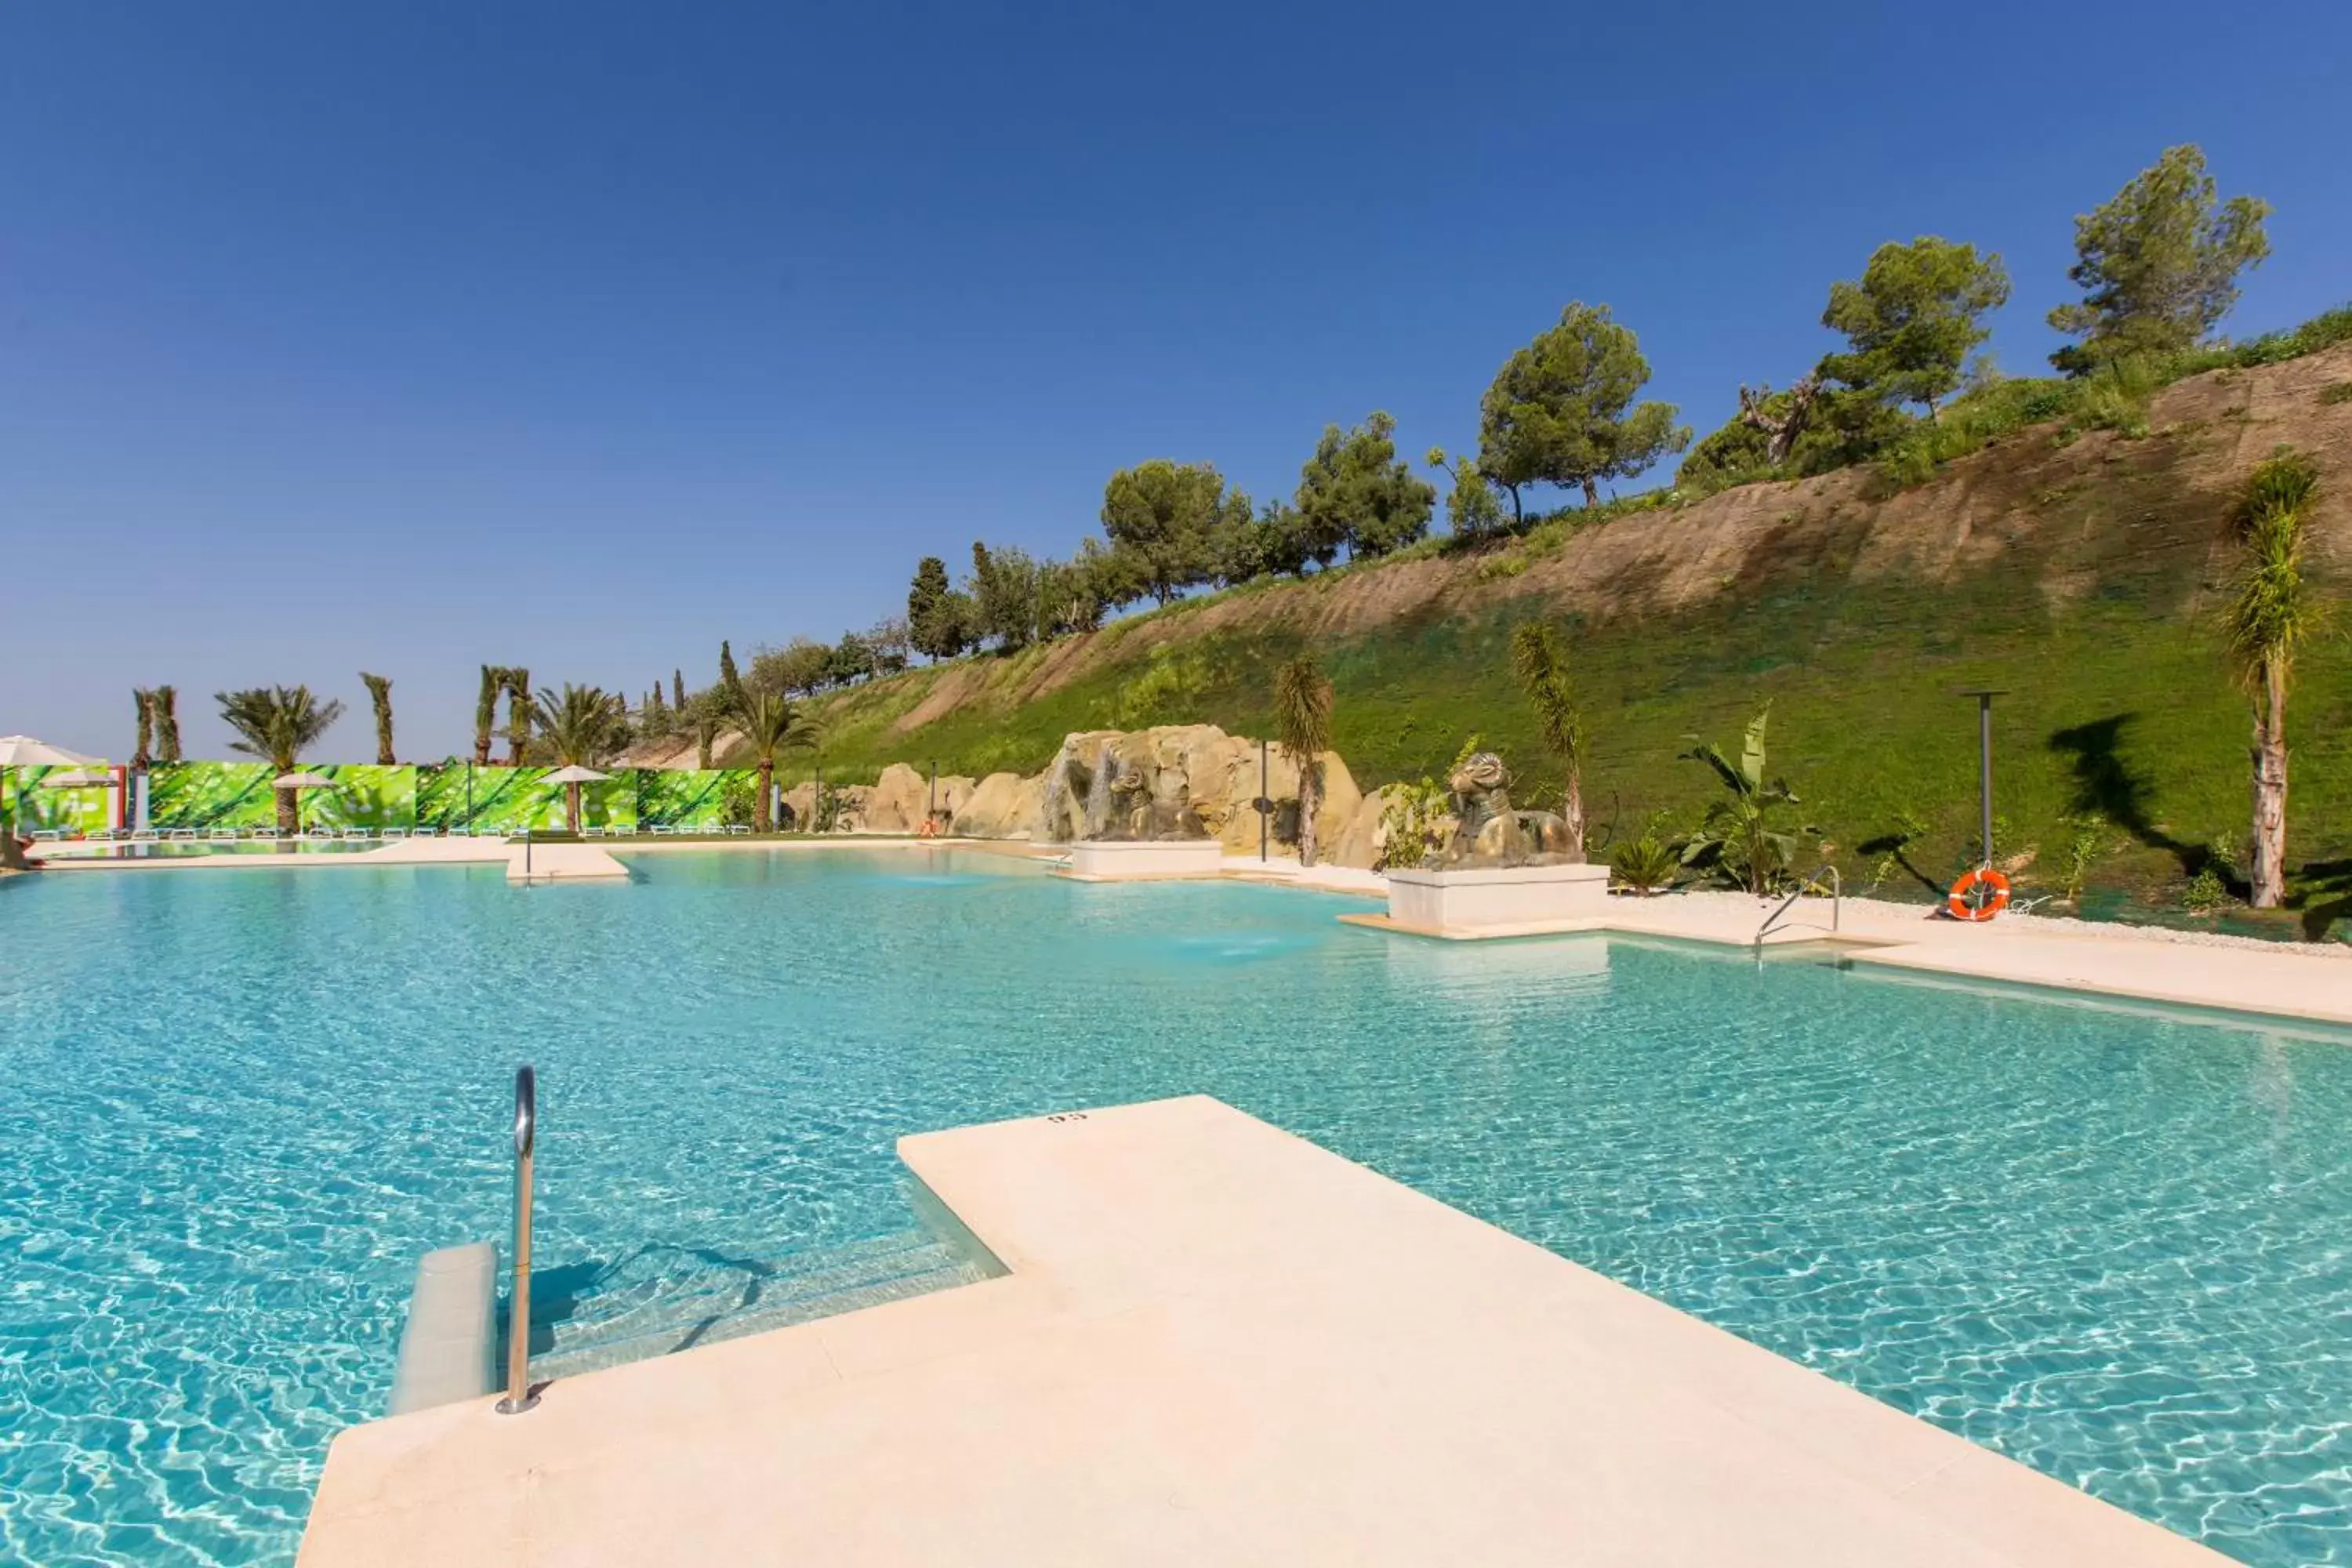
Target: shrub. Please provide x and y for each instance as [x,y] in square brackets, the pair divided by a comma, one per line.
[2115,396]
[2339,392]
[2205,892]
[1646,865]
[2088,842]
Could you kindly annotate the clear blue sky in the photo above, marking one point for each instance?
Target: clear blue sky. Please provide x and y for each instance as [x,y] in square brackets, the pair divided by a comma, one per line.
[581,335]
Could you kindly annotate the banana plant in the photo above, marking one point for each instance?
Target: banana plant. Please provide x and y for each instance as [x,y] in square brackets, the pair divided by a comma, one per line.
[1741,835]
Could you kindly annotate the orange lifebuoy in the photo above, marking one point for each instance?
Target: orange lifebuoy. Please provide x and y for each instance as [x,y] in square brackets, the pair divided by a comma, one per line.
[1958,905]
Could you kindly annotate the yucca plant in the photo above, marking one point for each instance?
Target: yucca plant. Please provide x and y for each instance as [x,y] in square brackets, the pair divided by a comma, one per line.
[1540,662]
[1741,835]
[1302,728]
[380,693]
[278,724]
[486,711]
[582,728]
[167,723]
[2269,616]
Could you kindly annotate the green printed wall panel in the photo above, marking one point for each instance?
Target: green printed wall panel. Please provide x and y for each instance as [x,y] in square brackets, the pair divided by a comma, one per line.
[206,795]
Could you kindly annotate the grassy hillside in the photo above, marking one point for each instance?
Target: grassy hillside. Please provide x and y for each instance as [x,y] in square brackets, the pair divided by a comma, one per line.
[2079,572]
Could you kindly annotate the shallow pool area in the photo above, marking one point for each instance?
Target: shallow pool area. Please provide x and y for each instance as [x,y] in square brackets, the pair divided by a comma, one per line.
[2114,1244]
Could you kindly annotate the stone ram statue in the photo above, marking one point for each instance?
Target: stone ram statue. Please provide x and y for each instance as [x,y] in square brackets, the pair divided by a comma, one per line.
[1488,831]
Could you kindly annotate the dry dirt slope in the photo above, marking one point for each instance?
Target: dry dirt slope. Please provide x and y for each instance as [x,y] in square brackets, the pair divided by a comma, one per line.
[2080,573]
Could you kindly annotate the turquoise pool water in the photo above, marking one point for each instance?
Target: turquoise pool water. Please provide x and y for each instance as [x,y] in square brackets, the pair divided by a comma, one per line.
[238,1105]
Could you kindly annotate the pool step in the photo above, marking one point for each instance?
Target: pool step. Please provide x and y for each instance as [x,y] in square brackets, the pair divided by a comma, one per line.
[659,1304]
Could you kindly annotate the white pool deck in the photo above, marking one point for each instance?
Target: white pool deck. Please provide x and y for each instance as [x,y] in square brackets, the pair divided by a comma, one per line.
[1216,1343]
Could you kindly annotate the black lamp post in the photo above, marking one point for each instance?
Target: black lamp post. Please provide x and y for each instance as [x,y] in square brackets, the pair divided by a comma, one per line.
[1984,696]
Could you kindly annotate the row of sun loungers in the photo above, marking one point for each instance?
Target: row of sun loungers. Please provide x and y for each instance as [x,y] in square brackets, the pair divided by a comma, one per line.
[659,830]
[339,835]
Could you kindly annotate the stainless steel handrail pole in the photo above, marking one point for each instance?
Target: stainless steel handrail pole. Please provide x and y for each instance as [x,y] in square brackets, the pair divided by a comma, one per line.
[519,1397]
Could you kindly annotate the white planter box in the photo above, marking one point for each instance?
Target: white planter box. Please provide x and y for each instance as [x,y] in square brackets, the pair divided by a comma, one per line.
[1113,860]
[1509,896]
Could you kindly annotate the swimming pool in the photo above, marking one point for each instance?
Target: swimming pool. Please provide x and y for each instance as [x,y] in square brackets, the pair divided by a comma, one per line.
[2117,1246]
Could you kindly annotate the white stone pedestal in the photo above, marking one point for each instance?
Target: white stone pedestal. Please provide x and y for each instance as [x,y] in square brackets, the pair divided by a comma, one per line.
[1514,896]
[1116,860]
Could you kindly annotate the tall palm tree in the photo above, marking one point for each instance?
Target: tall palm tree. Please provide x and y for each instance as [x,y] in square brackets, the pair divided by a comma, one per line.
[144,700]
[706,711]
[2271,612]
[167,723]
[486,711]
[583,728]
[519,714]
[278,724]
[380,693]
[1302,728]
[771,722]
[1541,665]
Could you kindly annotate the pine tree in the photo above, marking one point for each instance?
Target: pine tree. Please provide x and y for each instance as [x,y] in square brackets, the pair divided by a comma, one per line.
[926,625]
[731,681]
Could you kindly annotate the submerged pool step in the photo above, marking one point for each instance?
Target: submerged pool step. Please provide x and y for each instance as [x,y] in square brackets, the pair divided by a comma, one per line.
[658,1304]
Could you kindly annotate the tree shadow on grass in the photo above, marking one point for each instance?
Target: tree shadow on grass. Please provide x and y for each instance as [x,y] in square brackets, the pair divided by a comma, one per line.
[1896,847]
[2324,895]
[2105,784]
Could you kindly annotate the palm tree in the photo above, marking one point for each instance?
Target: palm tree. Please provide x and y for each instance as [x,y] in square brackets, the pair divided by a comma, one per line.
[144,700]
[2271,612]
[519,714]
[771,722]
[486,711]
[167,723]
[583,728]
[707,712]
[278,724]
[1302,727]
[380,693]
[1541,665]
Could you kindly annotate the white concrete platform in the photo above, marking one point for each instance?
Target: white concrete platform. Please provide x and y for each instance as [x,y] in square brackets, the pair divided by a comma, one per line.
[1140,860]
[561,863]
[1499,899]
[1216,1344]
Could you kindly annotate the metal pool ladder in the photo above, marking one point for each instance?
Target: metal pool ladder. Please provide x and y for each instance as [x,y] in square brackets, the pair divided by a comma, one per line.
[1811,884]
[519,1397]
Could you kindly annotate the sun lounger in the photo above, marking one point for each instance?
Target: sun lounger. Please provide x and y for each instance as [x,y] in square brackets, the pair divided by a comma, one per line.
[664,828]
[358,835]
[144,836]
[319,834]
[265,834]
[219,834]
[47,834]
[627,830]
[592,832]
[735,827]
